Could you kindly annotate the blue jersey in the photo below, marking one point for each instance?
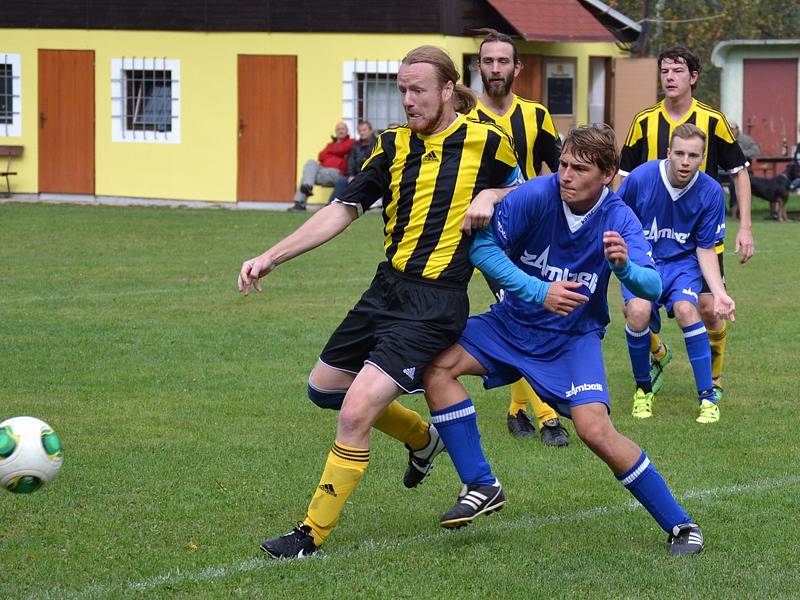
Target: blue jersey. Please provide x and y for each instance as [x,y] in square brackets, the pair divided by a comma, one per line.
[544,239]
[676,221]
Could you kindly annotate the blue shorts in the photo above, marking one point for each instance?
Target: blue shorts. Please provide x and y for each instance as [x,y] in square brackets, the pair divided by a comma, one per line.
[565,369]
[681,280]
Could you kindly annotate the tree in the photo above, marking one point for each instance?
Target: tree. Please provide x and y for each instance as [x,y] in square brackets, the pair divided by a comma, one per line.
[702,24]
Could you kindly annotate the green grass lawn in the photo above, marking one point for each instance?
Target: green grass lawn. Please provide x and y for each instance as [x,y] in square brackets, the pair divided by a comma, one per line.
[188,437]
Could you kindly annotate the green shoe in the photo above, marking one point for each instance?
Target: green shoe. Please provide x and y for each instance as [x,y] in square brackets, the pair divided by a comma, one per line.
[717,394]
[642,404]
[709,412]
[657,369]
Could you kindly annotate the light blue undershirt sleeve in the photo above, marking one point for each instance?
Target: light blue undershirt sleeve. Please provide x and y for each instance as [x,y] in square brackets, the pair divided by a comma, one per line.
[643,282]
[487,256]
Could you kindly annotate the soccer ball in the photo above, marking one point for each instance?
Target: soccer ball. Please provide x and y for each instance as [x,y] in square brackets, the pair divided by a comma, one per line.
[30,454]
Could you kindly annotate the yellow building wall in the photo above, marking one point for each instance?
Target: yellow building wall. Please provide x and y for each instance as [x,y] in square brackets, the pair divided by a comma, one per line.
[203,166]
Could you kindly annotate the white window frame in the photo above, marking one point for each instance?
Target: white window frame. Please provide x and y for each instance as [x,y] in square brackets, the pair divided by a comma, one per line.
[119,130]
[350,70]
[13,129]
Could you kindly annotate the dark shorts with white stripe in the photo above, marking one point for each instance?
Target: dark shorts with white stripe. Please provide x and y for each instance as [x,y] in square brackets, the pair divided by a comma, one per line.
[400,324]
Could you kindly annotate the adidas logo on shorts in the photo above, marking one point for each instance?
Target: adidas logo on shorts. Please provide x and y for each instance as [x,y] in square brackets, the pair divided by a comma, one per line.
[410,372]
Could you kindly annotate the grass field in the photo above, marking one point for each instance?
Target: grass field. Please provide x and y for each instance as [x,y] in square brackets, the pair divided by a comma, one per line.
[188,437]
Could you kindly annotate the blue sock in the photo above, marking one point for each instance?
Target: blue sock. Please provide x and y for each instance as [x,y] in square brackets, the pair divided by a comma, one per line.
[458,427]
[639,351]
[698,348]
[649,488]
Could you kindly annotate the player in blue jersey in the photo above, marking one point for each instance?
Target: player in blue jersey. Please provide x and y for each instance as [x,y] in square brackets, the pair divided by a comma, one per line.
[552,245]
[682,211]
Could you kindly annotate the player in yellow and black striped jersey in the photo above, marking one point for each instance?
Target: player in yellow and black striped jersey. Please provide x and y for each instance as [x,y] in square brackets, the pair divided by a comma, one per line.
[438,177]
[648,139]
[530,125]
[427,183]
[536,142]
[650,132]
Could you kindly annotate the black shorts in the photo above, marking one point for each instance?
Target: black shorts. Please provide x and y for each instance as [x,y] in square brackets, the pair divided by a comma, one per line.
[400,325]
[707,290]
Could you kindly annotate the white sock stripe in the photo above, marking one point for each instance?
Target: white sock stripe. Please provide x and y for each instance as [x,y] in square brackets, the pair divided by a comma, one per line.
[452,416]
[688,334]
[639,470]
[637,334]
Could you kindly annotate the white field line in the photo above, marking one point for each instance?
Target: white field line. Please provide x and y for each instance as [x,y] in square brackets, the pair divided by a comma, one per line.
[496,525]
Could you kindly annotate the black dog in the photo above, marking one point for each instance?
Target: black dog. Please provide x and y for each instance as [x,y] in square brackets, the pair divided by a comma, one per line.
[776,190]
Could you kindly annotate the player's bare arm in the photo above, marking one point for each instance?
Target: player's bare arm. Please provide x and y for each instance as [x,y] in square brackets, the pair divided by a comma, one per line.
[323,226]
[724,305]
[745,245]
[480,211]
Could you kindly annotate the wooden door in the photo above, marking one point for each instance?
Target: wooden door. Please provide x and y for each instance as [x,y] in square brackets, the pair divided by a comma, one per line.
[267,147]
[528,83]
[66,121]
[634,87]
[769,113]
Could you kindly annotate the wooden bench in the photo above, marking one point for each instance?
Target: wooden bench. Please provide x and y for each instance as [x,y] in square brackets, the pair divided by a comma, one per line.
[9,152]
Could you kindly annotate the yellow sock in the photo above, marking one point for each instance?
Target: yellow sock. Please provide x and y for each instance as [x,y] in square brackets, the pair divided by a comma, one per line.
[657,349]
[403,424]
[520,395]
[542,411]
[717,339]
[343,471]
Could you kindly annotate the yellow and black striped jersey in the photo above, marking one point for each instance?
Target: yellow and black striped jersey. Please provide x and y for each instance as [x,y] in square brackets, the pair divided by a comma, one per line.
[531,127]
[648,138]
[427,183]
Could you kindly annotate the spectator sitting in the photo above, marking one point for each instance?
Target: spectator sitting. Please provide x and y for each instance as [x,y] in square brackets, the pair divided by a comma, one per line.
[330,164]
[359,153]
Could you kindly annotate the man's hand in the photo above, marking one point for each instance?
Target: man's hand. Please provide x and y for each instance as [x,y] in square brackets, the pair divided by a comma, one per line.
[615,248]
[480,211]
[724,306]
[745,247]
[561,300]
[252,270]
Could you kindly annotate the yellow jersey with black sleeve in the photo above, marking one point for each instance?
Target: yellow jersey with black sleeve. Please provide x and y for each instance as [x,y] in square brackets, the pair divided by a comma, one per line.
[427,183]
[649,134]
[535,136]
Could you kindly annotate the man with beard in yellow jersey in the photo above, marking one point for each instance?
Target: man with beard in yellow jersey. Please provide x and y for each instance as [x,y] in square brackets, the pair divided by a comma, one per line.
[431,174]
[648,139]
[536,142]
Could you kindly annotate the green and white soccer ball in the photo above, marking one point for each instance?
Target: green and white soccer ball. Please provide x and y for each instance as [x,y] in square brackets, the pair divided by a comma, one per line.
[30,454]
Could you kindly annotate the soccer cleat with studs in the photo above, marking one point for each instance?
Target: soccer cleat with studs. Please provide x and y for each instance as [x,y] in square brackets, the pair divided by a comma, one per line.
[420,462]
[642,404]
[685,539]
[520,426]
[709,412]
[554,433]
[473,501]
[298,543]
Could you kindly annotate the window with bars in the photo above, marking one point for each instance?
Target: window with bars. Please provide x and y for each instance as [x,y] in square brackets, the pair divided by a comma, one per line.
[10,95]
[145,100]
[6,95]
[148,100]
[370,93]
